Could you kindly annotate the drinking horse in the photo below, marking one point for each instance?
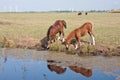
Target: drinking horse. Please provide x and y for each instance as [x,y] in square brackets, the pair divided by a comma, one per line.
[57,27]
[78,33]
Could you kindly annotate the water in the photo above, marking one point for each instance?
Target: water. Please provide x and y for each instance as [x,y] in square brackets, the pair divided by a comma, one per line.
[18,64]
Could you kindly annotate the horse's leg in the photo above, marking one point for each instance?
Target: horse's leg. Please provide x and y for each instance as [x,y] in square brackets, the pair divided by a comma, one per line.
[63,36]
[50,39]
[59,37]
[92,38]
[77,42]
[54,38]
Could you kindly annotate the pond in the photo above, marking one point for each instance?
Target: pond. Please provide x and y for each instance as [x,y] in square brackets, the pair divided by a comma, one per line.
[22,64]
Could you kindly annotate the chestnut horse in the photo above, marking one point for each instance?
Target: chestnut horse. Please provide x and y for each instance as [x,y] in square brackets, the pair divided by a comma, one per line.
[55,66]
[78,33]
[83,71]
[57,27]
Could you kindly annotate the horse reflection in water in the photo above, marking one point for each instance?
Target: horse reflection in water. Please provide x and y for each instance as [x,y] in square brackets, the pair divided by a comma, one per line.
[53,66]
[57,69]
[57,27]
[83,71]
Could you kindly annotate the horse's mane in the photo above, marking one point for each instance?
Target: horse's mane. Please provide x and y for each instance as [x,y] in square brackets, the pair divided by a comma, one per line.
[48,32]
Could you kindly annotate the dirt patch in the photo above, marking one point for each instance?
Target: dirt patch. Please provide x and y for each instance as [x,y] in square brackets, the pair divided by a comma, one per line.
[84,50]
[28,43]
[5,23]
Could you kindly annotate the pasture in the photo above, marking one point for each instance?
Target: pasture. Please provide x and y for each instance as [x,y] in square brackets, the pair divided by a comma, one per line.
[19,26]
[28,29]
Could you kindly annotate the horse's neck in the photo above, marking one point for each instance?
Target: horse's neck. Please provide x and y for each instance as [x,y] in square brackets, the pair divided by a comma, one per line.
[69,38]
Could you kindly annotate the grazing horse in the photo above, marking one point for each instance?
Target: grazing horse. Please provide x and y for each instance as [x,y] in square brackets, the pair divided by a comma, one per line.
[86,13]
[57,27]
[78,33]
[80,13]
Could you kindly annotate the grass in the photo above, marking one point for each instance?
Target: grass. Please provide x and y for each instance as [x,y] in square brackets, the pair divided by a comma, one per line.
[21,25]
[115,11]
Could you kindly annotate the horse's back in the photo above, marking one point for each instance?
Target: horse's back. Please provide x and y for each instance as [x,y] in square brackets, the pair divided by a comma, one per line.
[60,24]
[88,25]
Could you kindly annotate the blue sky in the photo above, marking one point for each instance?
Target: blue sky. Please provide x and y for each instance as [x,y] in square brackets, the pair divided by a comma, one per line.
[51,5]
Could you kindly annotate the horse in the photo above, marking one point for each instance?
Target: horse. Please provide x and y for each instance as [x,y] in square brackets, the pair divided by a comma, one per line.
[57,27]
[86,13]
[78,33]
[80,13]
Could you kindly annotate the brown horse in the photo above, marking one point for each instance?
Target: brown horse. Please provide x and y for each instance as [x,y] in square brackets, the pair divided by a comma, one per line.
[52,66]
[57,69]
[83,71]
[57,27]
[78,33]
[80,13]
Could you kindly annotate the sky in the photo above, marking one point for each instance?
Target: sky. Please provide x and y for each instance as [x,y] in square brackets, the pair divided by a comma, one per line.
[53,5]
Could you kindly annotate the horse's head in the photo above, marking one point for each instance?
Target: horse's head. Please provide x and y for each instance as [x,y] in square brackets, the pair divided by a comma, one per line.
[66,43]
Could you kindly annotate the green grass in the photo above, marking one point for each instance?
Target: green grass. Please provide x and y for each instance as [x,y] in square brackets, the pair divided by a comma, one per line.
[106,25]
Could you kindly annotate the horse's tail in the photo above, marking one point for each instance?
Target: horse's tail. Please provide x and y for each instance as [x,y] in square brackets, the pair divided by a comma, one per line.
[48,32]
[64,23]
[92,28]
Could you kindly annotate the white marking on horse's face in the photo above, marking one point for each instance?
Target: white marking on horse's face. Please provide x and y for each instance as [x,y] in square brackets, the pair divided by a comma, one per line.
[67,46]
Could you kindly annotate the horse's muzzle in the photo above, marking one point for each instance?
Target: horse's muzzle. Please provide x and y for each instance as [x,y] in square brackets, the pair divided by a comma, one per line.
[67,48]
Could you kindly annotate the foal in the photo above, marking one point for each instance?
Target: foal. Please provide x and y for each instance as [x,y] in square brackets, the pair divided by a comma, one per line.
[78,33]
[57,27]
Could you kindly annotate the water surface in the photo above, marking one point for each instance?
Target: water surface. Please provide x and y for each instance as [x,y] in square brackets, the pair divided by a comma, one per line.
[20,64]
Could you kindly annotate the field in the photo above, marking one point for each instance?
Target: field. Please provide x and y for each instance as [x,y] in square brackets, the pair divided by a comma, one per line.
[23,27]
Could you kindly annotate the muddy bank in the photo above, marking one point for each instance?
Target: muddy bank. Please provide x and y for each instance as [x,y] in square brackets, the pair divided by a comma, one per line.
[25,43]
[85,48]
